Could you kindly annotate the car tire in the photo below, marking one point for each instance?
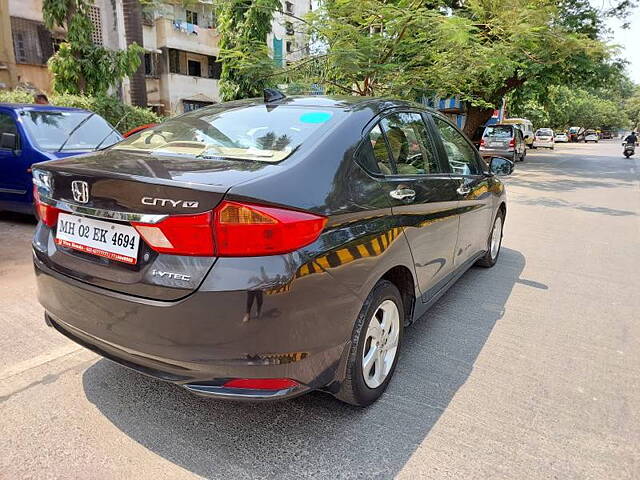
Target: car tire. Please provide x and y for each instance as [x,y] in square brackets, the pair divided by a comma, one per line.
[362,386]
[491,255]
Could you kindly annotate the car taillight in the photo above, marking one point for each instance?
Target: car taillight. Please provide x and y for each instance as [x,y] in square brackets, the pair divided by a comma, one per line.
[253,230]
[482,142]
[190,235]
[512,143]
[45,212]
[233,230]
[261,383]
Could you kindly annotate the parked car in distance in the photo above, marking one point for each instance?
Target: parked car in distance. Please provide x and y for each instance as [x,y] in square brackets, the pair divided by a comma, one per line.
[561,137]
[576,134]
[591,136]
[544,138]
[259,249]
[524,125]
[34,133]
[505,141]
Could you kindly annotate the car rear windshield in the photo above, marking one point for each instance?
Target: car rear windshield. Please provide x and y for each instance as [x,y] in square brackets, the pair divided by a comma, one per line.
[544,131]
[501,131]
[262,133]
[68,130]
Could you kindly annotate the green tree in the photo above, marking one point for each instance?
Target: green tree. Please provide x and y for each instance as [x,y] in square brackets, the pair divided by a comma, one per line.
[79,66]
[480,50]
[246,66]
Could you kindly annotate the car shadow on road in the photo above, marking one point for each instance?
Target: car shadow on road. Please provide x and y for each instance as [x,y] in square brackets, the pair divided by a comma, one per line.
[316,435]
[19,218]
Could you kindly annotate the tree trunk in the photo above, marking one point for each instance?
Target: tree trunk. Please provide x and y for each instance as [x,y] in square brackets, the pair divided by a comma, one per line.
[132,11]
[476,117]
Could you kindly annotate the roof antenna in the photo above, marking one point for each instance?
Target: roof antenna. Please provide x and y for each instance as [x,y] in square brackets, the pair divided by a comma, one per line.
[273,95]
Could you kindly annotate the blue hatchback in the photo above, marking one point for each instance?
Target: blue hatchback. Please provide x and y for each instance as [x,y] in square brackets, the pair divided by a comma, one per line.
[35,133]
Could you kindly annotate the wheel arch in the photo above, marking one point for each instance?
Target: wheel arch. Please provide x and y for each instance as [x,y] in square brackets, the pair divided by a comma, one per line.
[402,277]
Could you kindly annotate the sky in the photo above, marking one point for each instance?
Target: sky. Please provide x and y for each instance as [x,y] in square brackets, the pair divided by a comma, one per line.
[629,40]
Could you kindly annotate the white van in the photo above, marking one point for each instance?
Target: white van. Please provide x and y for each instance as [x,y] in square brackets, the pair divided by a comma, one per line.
[525,126]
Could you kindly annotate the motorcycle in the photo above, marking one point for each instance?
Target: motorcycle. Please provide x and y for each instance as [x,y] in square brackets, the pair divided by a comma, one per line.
[629,149]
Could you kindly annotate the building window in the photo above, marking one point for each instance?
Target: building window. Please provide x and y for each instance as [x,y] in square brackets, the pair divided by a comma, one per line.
[32,42]
[194,68]
[20,47]
[190,105]
[289,47]
[151,64]
[96,19]
[192,17]
[288,26]
[288,7]
[215,68]
[174,61]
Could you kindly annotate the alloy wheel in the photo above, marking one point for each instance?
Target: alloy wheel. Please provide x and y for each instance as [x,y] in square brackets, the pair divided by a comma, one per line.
[380,344]
[496,237]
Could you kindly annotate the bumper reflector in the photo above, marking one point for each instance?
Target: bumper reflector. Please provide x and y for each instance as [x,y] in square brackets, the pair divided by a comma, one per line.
[261,383]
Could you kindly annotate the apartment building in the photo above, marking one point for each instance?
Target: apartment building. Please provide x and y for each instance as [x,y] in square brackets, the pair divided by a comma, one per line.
[181,45]
[34,44]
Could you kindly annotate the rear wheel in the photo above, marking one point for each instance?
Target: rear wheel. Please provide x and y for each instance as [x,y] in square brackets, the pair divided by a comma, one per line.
[375,345]
[494,242]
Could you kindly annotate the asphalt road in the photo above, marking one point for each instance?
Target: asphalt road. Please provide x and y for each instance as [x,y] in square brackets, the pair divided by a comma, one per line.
[527,370]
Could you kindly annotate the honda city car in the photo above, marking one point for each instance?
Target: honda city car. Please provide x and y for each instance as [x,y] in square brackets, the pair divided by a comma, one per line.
[544,138]
[263,248]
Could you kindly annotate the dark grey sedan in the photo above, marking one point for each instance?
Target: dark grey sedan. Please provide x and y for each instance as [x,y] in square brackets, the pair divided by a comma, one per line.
[260,249]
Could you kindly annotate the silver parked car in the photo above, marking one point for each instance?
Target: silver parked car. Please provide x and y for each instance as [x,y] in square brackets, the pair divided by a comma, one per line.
[504,141]
[543,138]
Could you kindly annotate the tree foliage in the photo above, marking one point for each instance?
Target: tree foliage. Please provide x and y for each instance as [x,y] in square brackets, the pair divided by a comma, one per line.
[564,107]
[480,50]
[123,117]
[246,66]
[79,66]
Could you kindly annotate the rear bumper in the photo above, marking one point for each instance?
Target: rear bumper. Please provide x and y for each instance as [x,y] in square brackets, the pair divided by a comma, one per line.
[543,144]
[497,153]
[203,340]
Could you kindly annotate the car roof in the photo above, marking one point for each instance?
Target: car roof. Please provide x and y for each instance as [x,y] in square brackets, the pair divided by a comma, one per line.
[40,108]
[344,102]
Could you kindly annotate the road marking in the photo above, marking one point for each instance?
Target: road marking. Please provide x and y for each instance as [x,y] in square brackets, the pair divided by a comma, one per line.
[36,361]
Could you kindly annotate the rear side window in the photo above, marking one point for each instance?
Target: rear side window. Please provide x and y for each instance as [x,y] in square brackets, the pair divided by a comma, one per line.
[378,152]
[461,155]
[499,131]
[410,146]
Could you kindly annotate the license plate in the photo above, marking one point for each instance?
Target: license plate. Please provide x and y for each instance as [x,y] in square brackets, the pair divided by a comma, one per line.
[105,239]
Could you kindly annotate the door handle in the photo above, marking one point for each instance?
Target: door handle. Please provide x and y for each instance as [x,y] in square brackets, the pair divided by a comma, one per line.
[404,194]
[463,189]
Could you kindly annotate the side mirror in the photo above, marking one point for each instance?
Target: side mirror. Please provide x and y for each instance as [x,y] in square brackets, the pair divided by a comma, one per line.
[9,141]
[500,166]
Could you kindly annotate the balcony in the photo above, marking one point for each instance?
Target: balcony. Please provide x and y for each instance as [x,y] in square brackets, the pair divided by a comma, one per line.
[168,35]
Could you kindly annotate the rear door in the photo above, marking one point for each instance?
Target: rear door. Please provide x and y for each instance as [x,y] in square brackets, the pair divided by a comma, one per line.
[472,189]
[421,193]
[15,180]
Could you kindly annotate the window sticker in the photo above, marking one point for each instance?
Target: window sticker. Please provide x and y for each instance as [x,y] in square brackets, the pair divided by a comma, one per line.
[315,117]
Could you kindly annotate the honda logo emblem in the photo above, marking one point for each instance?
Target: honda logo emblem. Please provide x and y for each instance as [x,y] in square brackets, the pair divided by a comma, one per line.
[80,191]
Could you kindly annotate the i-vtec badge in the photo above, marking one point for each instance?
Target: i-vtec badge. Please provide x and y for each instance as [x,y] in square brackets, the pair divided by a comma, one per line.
[167,202]
[170,275]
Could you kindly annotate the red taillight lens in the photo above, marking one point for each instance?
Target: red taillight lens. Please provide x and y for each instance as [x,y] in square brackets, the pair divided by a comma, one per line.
[46,213]
[254,230]
[262,383]
[181,235]
[233,230]
[512,143]
[482,143]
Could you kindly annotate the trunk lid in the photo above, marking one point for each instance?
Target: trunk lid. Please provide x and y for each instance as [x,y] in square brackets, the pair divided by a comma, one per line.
[124,186]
